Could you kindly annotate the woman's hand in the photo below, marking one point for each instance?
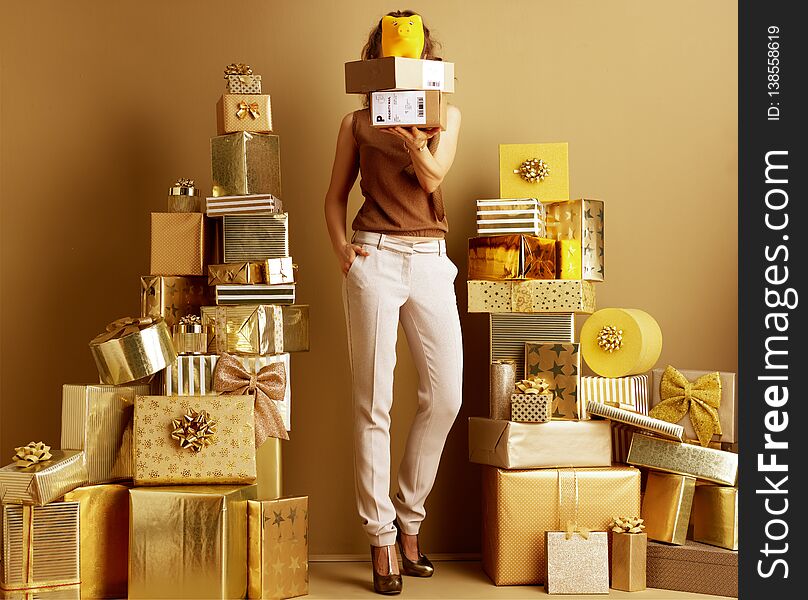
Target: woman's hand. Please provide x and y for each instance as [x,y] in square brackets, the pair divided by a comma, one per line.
[414,138]
[348,254]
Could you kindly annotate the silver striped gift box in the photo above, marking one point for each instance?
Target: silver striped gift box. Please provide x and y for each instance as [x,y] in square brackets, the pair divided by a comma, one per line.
[510,331]
[629,393]
[256,294]
[190,375]
[506,215]
[98,420]
[670,431]
[254,204]
[255,237]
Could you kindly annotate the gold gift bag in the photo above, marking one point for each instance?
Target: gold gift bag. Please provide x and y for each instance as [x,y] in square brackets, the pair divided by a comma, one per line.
[104,516]
[246,163]
[278,554]
[189,542]
[577,562]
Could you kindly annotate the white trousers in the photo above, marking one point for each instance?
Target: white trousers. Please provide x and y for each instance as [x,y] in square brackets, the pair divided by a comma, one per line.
[395,284]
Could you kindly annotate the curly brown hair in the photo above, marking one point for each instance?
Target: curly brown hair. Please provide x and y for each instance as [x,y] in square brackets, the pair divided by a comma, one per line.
[373,48]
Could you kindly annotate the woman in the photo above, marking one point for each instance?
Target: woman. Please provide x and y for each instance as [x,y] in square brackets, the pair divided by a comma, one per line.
[395,269]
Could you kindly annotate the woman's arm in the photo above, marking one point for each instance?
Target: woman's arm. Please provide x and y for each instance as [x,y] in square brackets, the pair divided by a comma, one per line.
[431,169]
[343,176]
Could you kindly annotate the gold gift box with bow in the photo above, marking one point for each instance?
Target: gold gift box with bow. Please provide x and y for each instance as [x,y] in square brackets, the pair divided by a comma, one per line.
[531,296]
[205,525]
[172,297]
[278,554]
[246,163]
[243,84]
[555,186]
[243,112]
[44,481]
[160,458]
[511,257]
[40,547]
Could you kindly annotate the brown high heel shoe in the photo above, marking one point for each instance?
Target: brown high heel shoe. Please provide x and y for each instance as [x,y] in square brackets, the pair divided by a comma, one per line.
[390,583]
[414,568]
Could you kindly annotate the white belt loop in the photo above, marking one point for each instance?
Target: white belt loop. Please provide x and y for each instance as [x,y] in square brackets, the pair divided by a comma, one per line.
[381,241]
[441,247]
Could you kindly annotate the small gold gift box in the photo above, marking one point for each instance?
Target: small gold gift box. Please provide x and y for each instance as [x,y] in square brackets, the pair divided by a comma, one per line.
[44,481]
[191,336]
[172,297]
[246,163]
[628,561]
[511,257]
[531,408]
[244,112]
[183,196]
[236,273]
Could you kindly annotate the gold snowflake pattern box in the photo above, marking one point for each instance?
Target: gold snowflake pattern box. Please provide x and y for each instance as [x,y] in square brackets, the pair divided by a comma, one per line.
[189,541]
[578,225]
[278,547]
[560,365]
[172,297]
[194,440]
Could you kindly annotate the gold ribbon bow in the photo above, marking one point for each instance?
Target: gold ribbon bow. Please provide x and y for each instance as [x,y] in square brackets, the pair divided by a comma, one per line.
[268,385]
[123,327]
[573,528]
[190,320]
[194,430]
[245,109]
[700,399]
[184,182]
[533,385]
[610,338]
[533,170]
[33,453]
[237,69]
[627,525]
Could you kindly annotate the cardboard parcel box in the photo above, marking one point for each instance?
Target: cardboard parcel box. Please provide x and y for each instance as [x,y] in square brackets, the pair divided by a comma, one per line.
[398,73]
[421,108]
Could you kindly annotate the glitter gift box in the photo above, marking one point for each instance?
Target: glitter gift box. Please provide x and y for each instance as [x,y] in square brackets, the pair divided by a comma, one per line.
[577,563]
[666,505]
[510,216]
[45,481]
[164,432]
[246,163]
[278,541]
[255,237]
[243,112]
[554,185]
[578,225]
[500,257]
[204,525]
[531,296]
[560,365]
[180,244]
[709,464]
[98,420]
[172,297]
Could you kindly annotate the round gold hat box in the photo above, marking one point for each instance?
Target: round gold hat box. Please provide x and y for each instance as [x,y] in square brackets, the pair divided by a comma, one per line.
[618,342]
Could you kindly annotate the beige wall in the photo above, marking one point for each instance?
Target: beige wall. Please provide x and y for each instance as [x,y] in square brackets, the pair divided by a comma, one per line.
[103,104]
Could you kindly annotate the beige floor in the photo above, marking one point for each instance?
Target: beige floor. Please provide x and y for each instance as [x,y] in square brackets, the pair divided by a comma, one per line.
[452,580]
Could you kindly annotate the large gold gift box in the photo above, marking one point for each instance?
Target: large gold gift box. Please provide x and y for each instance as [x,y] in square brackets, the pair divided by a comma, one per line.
[181,244]
[172,297]
[554,186]
[531,296]
[710,464]
[578,225]
[258,329]
[627,393]
[513,445]
[98,420]
[163,423]
[666,505]
[560,365]
[189,541]
[40,546]
[45,481]
[243,112]
[246,163]
[518,506]
[577,563]
[278,553]
[511,257]
[104,516]
[715,516]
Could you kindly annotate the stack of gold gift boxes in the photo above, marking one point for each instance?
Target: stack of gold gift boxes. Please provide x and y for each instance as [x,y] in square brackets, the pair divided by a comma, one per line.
[578,468]
[168,480]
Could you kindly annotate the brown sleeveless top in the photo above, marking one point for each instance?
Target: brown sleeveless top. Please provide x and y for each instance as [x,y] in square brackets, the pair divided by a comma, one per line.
[395,202]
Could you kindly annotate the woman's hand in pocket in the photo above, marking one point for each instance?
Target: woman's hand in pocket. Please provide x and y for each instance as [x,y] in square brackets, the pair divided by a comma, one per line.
[348,255]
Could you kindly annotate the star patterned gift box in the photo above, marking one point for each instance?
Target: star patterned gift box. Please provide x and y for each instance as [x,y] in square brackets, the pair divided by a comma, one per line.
[580,221]
[560,365]
[172,297]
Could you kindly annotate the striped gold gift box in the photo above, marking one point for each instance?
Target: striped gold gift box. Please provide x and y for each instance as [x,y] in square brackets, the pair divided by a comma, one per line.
[531,296]
[628,393]
[253,204]
[510,215]
[671,431]
[510,331]
[581,220]
[45,481]
[190,375]
[98,420]
[255,294]
[255,237]
[40,546]
[246,163]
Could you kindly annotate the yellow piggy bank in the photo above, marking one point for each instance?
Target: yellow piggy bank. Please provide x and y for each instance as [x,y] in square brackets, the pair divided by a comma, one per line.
[402,36]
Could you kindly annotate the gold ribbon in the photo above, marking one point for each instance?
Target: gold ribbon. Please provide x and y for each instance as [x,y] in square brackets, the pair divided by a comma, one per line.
[33,453]
[123,327]
[245,109]
[533,385]
[572,524]
[572,529]
[627,525]
[183,182]
[268,385]
[533,170]
[700,399]
[237,69]
[610,338]
[190,320]
[194,430]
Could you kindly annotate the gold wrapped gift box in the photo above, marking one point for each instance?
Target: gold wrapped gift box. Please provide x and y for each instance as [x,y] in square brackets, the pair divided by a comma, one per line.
[577,564]
[578,227]
[694,567]
[666,505]
[184,197]
[45,481]
[40,546]
[132,349]
[189,541]
[560,365]
[710,464]
[258,329]
[246,163]
[531,296]
[243,272]
[98,420]
[512,445]
[628,561]
[516,256]
[159,457]
[627,393]
[243,112]
[243,84]
[519,506]
[531,408]
[104,516]
[555,186]
[510,216]
[179,244]
[278,554]
[172,297]
[715,516]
